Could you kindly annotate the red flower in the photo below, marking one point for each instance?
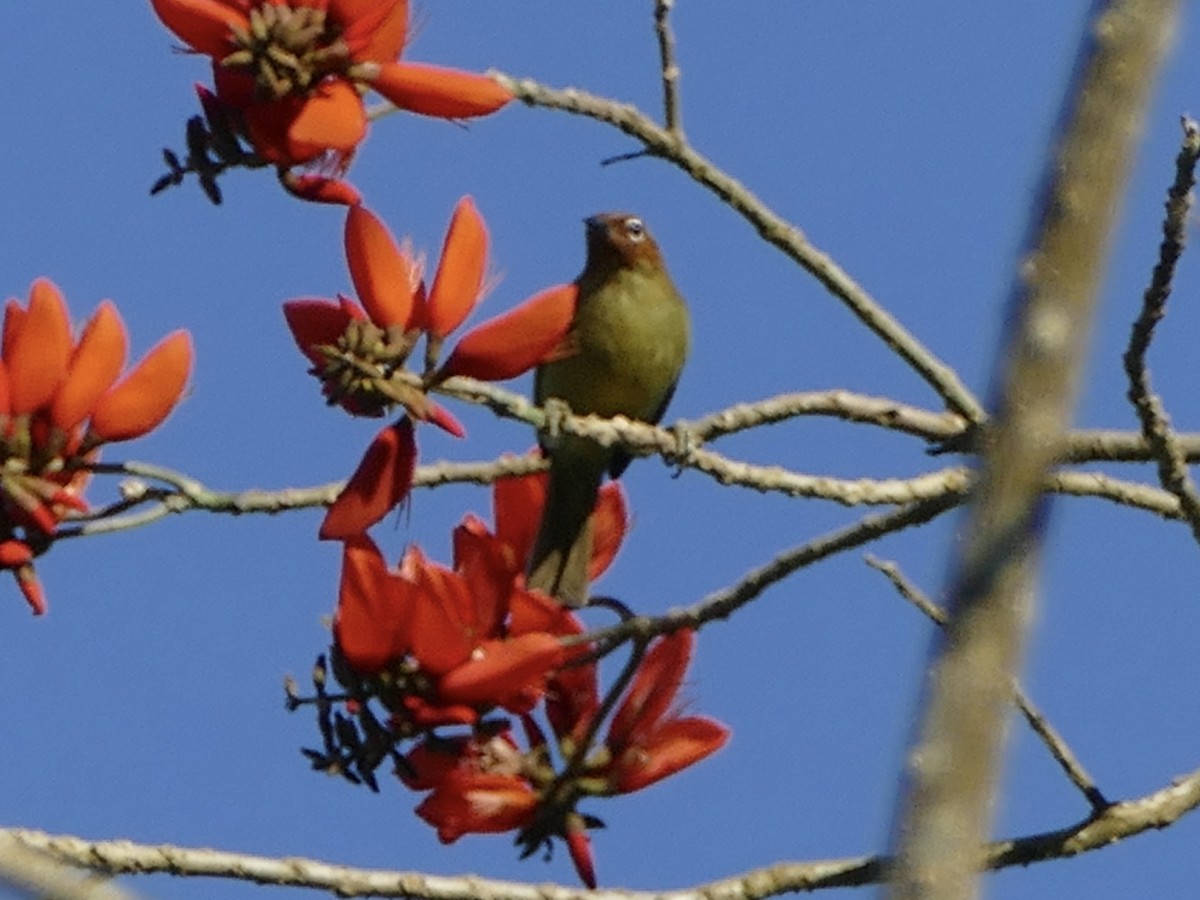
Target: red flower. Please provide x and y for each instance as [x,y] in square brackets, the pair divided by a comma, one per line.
[517,505]
[360,353]
[460,636]
[452,625]
[478,803]
[648,739]
[294,72]
[374,612]
[381,481]
[60,400]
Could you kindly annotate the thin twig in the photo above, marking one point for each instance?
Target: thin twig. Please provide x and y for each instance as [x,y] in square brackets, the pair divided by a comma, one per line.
[772,227]
[723,603]
[1156,425]
[1054,742]
[672,111]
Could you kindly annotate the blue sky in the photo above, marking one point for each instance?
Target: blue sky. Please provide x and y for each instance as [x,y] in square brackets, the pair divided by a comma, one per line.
[905,140]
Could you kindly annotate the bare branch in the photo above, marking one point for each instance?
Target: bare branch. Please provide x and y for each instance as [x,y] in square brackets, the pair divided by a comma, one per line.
[672,112]
[1117,822]
[1054,742]
[849,407]
[944,814]
[773,228]
[32,871]
[1090,445]
[1156,425]
[723,603]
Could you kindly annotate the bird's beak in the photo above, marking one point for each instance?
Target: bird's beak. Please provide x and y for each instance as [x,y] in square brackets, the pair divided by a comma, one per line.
[595,225]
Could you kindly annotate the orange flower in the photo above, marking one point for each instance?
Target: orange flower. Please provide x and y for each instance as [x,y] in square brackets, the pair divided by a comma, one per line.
[468,802]
[294,72]
[517,504]
[360,353]
[381,481]
[60,400]
[648,739]
[449,626]
[374,609]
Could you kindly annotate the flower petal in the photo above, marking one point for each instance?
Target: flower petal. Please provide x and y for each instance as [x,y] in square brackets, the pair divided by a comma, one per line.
[444,631]
[502,668]
[374,607]
[478,803]
[653,690]
[147,394]
[432,759]
[205,25]
[438,415]
[517,504]
[95,365]
[374,30]
[316,323]
[381,481]
[516,341]
[31,588]
[14,318]
[384,277]
[332,118]
[610,521]
[459,280]
[672,746]
[435,91]
[319,189]
[5,391]
[41,348]
[579,845]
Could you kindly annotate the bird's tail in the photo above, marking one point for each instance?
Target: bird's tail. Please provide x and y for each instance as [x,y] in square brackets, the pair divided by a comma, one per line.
[559,562]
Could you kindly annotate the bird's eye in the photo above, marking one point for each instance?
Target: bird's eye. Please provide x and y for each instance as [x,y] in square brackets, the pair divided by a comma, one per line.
[635,229]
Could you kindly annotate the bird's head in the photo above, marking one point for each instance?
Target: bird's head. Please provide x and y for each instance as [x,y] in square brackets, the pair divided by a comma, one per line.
[620,240]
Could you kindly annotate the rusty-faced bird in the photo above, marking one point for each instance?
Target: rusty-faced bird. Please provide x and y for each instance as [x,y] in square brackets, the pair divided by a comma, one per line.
[626,347]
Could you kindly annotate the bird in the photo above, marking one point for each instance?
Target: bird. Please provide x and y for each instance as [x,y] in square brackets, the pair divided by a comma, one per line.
[624,351]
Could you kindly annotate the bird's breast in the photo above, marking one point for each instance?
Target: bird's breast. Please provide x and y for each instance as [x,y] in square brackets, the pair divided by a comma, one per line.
[631,334]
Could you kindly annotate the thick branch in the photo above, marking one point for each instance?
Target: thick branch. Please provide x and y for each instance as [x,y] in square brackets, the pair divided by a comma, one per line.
[944,815]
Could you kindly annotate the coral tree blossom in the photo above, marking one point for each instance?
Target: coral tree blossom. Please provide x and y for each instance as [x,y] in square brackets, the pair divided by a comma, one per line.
[293,74]
[61,398]
[360,349]
[449,651]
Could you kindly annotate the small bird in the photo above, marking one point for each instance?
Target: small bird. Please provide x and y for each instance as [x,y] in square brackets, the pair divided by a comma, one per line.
[623,355]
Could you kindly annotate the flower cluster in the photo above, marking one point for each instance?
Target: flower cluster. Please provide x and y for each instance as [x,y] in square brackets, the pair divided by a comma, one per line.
[359,350]
[290,76]
[60,402]
[459,657]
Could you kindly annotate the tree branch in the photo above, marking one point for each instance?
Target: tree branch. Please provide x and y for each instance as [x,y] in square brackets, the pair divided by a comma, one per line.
[944,815]
[661,142]
[1117,822]
[1156,425]
[1055,743]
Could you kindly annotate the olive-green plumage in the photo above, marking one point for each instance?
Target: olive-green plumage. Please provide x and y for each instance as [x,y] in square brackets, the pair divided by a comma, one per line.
[627,345]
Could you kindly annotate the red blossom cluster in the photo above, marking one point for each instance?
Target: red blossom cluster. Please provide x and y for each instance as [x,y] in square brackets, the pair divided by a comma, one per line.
[460,656]
[60,402]
[359,350]
[460,659]
[290,76]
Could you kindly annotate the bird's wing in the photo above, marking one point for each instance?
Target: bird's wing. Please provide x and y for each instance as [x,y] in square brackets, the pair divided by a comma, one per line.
[621,459]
